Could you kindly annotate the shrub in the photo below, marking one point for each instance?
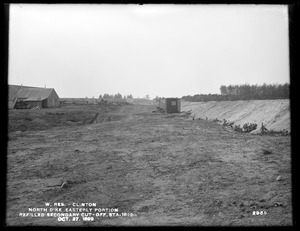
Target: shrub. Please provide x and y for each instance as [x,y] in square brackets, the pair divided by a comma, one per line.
[227,123]
[248,127]
[282,132]
[238,128]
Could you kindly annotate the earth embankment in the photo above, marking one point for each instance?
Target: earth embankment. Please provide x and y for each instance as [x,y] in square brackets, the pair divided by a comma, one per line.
[274,114]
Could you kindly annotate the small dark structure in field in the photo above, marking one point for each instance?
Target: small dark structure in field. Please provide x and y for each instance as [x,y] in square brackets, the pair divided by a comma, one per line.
[169,105]
[173,105]
[29,97]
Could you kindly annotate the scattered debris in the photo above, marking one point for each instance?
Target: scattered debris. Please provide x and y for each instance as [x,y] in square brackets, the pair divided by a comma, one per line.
[263,129]
[247,127]
[189,112]
[266,152]
[274,114]
[185,114]
[159,110]
[278,204]
[227,123]
[282,132]
[56,185]
[73,121]
[109,167]
[64,185]
[219,202]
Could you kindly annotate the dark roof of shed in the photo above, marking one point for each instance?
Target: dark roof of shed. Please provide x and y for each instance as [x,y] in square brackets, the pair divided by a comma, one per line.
[13,91]
[35,93]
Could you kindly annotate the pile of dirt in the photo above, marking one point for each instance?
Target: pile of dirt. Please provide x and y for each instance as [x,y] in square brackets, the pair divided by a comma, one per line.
[274,114]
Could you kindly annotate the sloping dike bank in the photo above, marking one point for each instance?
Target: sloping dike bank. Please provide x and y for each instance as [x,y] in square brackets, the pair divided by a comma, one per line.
[274,114]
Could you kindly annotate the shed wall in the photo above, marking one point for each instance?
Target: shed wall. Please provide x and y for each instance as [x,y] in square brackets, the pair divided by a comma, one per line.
[172,105]
[52,100]
[34,103]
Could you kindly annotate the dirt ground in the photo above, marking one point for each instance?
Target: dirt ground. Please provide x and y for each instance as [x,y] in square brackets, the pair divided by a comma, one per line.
[167,169]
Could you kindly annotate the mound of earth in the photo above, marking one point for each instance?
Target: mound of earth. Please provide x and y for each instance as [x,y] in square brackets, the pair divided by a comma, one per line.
[274,114]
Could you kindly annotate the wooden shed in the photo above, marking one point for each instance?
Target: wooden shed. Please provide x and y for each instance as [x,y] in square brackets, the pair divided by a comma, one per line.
[33,96]
[173,105]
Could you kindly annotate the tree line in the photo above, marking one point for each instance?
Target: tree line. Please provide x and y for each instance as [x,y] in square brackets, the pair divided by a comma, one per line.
[115,96]
[244,92]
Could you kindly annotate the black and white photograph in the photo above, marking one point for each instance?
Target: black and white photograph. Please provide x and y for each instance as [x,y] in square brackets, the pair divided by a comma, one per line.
[148,115]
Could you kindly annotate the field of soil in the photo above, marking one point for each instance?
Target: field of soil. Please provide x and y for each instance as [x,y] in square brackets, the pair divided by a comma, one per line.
[274,114]
[167,169]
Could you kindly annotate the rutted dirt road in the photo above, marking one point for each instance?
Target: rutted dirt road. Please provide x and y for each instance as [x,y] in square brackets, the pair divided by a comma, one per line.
[165,168]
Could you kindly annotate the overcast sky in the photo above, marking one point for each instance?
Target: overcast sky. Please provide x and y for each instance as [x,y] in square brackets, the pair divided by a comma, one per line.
[159,50]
